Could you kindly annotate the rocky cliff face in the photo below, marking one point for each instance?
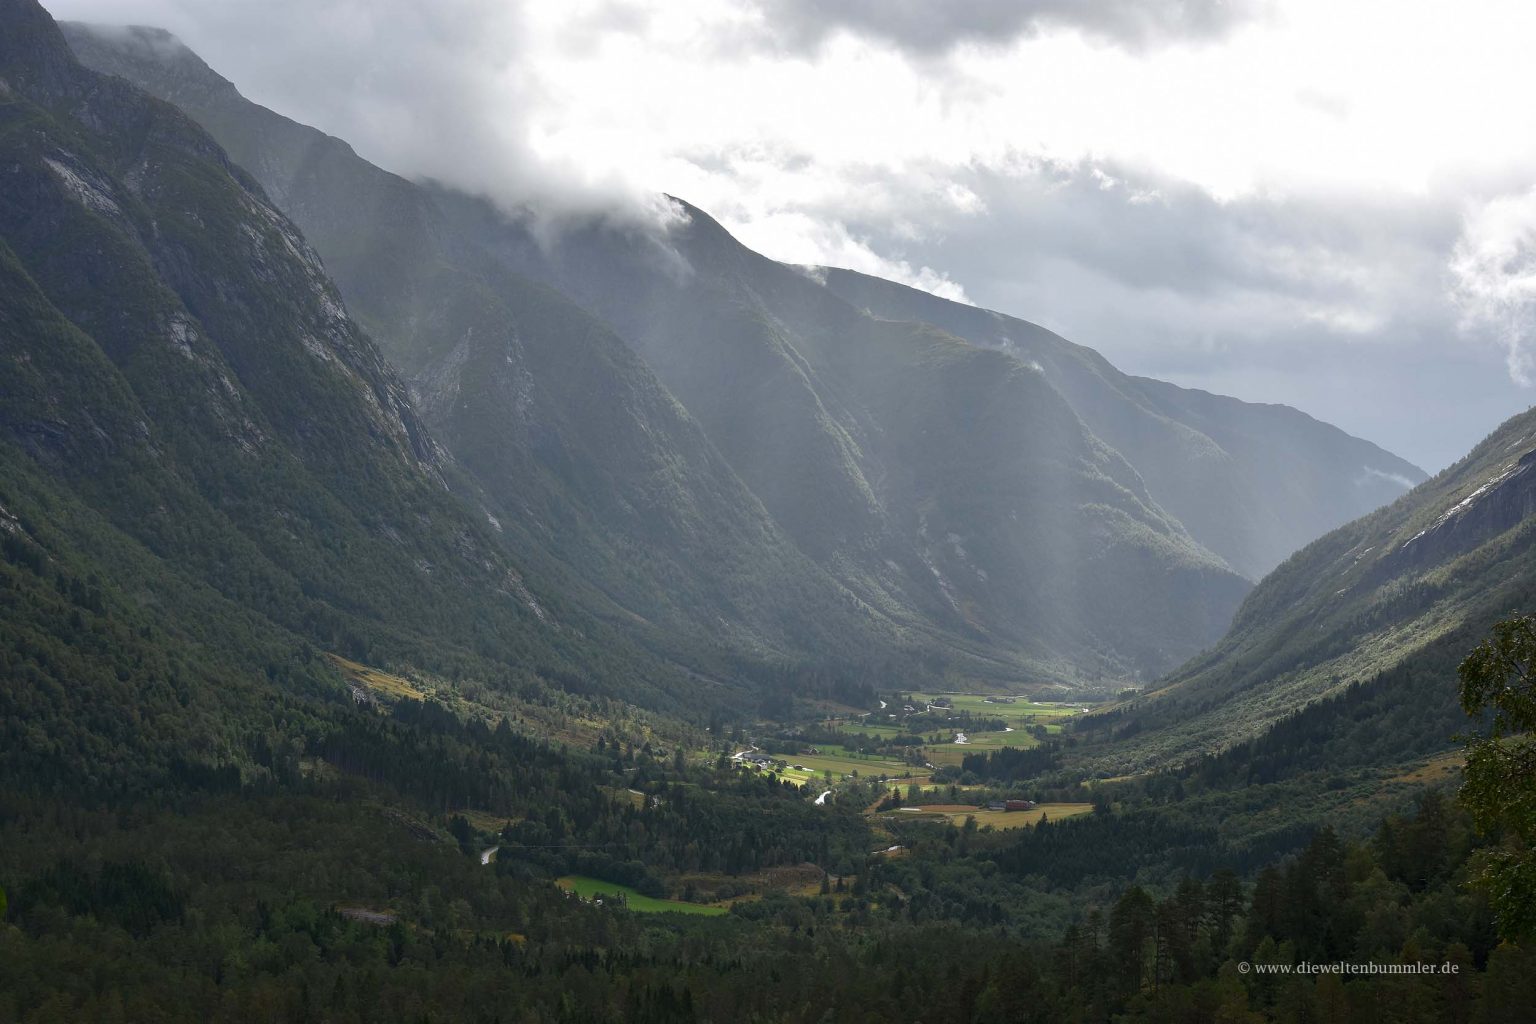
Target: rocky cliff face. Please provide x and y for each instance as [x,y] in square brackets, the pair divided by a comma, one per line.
[1498,504]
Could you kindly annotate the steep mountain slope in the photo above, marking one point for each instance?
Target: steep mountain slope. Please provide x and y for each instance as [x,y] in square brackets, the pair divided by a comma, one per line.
[940,482]
[946,489]
[205,457]
[1394,597]
[1252,483]
[583,457]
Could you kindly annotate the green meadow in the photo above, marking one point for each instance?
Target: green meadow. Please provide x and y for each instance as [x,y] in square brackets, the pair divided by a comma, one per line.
[596,888]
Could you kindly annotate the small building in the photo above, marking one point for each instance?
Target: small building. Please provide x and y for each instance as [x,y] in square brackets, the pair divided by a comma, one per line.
[997,805]
[1018,805]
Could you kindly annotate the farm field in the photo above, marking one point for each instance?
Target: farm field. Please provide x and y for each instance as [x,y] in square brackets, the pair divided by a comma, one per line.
[870,727]
[954,753]
[1021,717]
[590,888]
[957,813]
[1018,739]
[1021,711]
[840,762]
[1022,705]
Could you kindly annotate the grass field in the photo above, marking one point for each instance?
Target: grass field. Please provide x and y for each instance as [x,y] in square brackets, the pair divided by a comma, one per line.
[595,888]
[1020,712]
[840,762]
[954,753]
[949,754]
[1443,768]
[957,813]
[380,682]
[870,727]
[789,879]
[1019,716]
[486,822]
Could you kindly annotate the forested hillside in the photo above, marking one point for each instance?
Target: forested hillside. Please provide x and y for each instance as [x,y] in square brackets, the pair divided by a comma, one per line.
[1376,613]
[212,476]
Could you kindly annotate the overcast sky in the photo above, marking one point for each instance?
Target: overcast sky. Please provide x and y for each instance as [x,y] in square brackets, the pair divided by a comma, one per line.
[1319,203]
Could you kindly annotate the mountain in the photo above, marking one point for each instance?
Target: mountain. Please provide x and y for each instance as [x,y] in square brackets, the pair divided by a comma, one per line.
[893,479]
[587,465]
[211,475]
[928,473]
[299,718]
[1363,625]
[1252,483]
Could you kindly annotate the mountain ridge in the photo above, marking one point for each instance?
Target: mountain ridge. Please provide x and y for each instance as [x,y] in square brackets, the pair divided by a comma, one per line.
[799,391]
[790,384]
[208,461]
[627,493]
[1194,447]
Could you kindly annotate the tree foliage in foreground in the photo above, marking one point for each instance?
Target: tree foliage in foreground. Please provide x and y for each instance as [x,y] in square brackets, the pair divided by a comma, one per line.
[1498,682]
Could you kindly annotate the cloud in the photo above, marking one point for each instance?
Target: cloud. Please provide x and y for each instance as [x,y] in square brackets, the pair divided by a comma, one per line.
[1263,198]
[446,91]
[1330,300]
[1493,269]
[927,28]
[1058,241]
[826,241]
[1369,474]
